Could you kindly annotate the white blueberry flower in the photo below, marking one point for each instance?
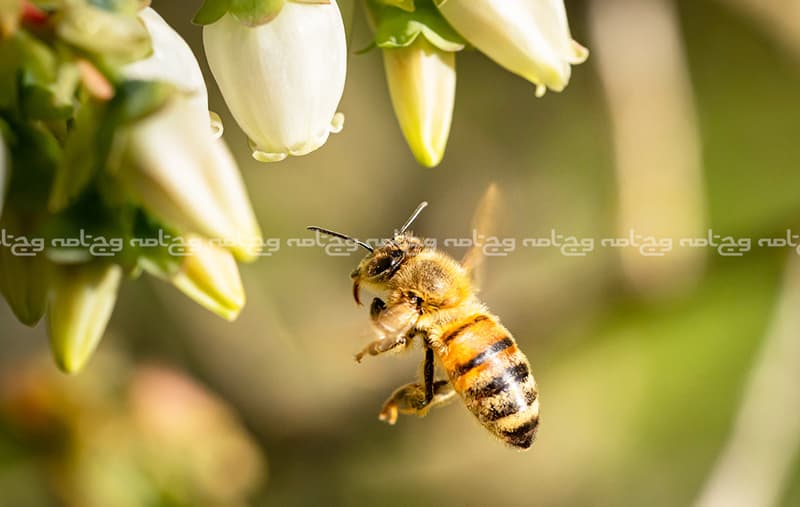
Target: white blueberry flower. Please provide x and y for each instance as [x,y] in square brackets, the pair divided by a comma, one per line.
[530,38]
[283,79]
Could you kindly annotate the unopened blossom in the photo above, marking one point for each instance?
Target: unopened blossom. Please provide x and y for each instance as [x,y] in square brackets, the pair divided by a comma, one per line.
[208,274]
[82,298]
[282,79]
[530,38]
[422,85]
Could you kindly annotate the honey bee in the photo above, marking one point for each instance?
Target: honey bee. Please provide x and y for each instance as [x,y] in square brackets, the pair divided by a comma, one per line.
[431,299]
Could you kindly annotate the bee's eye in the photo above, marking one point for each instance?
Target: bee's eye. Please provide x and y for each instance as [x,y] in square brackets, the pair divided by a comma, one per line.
[381,265]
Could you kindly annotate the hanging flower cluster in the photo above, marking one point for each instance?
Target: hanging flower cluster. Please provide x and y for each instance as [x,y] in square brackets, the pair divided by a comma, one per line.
[280,64]
[110,166]
[419,39]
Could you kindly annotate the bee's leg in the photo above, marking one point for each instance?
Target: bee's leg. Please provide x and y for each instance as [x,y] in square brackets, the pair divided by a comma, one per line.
[388,342]
[410,399]
[384,345]
[427,374]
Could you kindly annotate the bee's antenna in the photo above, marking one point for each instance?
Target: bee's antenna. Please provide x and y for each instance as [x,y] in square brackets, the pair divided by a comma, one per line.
[340,235]
[413,216]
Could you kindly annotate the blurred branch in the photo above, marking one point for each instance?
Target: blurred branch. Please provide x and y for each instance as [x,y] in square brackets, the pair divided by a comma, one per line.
[638,52]
[779,18]
[755,464]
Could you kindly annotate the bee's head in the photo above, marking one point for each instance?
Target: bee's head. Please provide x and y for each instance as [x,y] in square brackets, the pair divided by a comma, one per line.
[380,264]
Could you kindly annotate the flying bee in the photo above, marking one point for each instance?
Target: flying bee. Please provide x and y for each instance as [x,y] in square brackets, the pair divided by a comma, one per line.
[431,298]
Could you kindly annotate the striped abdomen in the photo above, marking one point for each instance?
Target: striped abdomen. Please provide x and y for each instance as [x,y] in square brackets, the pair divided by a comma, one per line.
[493,377]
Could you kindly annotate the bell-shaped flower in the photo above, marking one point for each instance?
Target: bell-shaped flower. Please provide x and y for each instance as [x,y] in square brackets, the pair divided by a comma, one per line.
[208,274]
[530,38]
[422,85]
[189,180]
[282,79]
[172,61]
[82,298]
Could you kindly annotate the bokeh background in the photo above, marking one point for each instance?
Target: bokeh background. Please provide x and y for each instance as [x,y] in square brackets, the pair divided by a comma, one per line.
[664,380]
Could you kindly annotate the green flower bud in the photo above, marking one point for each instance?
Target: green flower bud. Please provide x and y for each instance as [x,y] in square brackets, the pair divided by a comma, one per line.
[23,284]
[422,84]
[82,298]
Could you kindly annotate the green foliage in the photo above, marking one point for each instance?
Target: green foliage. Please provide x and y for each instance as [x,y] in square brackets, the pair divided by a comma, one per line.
[247,12]
[397,27]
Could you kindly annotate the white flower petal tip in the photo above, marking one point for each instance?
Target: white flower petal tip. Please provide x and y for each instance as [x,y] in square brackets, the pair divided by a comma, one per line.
[579,53]
[216,125]
[282,80]
[172,61]
[336,126]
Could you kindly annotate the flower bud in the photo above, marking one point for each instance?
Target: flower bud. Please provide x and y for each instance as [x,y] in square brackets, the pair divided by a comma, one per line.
[422,84]
[283,79]
[23,284]
[188,180]
[172,61]
[81,301]
[209,275]
[529,38]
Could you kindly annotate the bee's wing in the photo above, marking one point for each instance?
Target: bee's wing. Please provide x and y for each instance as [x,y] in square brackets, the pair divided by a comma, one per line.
[482,222]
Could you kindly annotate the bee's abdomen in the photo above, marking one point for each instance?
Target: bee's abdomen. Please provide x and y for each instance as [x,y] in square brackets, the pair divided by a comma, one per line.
[493,377]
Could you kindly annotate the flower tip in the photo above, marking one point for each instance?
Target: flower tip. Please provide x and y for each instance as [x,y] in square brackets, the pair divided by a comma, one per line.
[337,123]
[426,155]
[81,303]
[579,53]
[210,277]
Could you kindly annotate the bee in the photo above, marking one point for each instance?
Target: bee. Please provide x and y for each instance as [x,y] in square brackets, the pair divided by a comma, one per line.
[431,298]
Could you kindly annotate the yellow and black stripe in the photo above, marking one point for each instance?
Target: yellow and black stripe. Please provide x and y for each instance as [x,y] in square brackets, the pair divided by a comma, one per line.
[493,377]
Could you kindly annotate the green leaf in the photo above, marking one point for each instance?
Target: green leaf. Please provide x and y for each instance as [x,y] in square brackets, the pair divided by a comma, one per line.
[211,11]
[135,100]
[151,245]
[397,28]
[35,154]
[89,144]
[255,12]
[406,5]
[9,72]
[123,6]
[82,150]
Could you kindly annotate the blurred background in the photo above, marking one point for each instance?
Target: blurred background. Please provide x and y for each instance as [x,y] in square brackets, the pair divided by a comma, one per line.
[666,380]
